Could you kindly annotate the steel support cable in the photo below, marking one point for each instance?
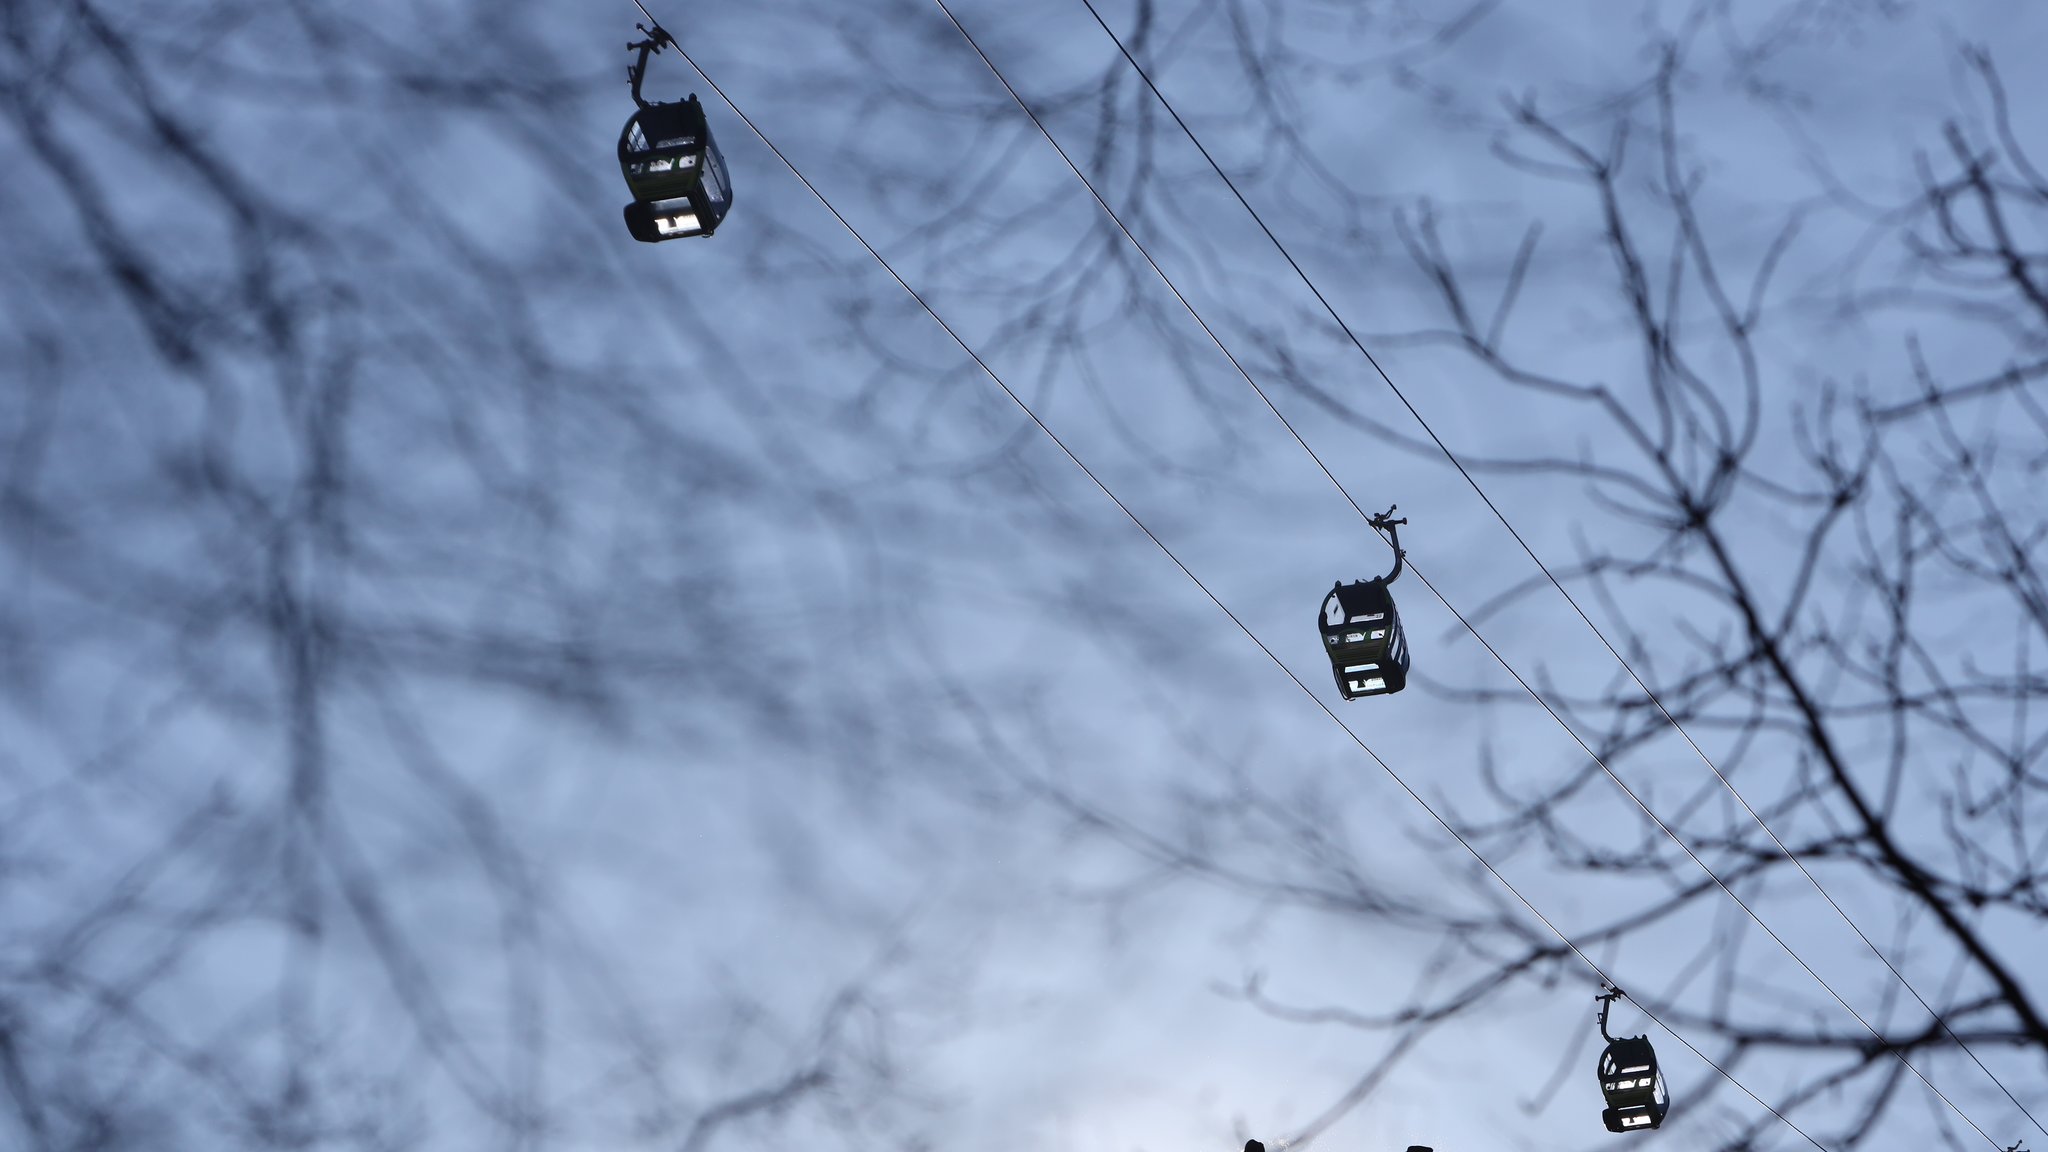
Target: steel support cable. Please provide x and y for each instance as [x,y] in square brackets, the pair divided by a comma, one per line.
[1469,627]
[1569,599]
[1623,661]
[1213,598]
[1648,693]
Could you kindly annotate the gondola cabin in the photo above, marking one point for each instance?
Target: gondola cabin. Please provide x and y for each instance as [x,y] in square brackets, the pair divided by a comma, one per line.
[1362,634]
[675,171]
[1633,1086]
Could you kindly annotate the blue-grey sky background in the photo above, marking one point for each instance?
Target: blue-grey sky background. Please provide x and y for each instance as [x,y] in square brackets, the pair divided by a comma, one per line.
[473,681]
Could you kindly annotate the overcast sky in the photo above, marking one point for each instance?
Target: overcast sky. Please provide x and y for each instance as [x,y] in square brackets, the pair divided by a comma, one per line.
[514,687]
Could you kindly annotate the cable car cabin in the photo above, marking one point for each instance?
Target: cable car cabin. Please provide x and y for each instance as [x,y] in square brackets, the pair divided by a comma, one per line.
[675,171]
[1636,1099]
[1362,633]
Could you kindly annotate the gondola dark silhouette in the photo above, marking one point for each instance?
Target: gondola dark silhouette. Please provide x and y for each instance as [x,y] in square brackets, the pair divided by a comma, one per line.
[1629,1078]
[1362,629]
[671,163]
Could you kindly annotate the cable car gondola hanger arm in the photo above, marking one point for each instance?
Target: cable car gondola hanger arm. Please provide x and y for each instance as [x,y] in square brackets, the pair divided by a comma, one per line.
[1607,1000]
[657,39]
[1386,523]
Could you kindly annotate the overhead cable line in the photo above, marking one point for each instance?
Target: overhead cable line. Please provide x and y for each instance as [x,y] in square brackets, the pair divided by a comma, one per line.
[1473,481]
[1025,407]
[1469,626]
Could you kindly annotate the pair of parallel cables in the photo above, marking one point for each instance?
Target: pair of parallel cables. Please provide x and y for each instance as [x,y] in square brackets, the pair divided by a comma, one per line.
[1023,406]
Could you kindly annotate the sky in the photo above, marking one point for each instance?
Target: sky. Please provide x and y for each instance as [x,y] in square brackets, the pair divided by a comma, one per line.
[474,681]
